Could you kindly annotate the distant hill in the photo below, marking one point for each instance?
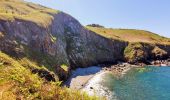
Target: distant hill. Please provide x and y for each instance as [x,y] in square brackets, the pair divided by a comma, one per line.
[130,35]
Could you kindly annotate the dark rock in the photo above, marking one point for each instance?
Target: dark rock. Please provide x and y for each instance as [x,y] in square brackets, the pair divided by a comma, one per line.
[44,74]
[91,87]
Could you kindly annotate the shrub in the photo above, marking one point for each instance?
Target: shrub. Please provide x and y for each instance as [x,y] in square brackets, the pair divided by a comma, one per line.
[134,52]
[18,82]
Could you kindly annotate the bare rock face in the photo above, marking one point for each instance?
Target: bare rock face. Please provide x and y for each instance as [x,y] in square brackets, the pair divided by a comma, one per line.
[65,40]
[159,53]
[85,48]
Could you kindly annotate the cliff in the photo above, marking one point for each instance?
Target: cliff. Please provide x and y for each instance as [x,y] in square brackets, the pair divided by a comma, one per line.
[142,45]
[53,38]
[60,43]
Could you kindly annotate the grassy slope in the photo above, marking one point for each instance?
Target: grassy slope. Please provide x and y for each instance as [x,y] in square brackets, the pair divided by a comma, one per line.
[16,78]
[10,9]
[130,35]
[17,81]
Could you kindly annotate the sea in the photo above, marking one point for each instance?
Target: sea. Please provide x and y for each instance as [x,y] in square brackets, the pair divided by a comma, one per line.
[148,83]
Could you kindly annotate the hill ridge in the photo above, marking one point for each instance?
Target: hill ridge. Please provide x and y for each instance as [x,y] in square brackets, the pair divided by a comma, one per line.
[131,35]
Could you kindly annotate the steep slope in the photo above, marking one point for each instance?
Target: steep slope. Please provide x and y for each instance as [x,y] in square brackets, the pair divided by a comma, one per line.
[17,82]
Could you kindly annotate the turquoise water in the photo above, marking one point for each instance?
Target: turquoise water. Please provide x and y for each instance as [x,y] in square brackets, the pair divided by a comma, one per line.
[150,83]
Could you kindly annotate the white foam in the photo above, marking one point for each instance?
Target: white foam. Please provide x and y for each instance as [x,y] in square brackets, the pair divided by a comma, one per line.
[94,87]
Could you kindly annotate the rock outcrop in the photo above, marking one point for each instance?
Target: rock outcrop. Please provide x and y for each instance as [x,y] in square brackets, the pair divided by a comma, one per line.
[142,52]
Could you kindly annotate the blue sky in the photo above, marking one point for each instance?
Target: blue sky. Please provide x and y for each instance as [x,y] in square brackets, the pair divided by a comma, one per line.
[152,15]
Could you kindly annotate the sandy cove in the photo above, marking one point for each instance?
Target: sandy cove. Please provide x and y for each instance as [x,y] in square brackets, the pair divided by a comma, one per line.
[88,79]
[81,76]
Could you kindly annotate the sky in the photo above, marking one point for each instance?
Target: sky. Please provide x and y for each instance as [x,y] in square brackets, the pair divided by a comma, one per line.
[151,15]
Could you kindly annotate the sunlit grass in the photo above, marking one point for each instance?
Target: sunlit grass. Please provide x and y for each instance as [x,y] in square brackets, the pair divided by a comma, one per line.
[65,67]
[10,10]
[17,81]
[130,35]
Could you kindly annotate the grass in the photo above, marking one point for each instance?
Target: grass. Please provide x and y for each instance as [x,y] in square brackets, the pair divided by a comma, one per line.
[10,10]
[130,35]
[20,78]
[65,67]
[44,60]
[17,82]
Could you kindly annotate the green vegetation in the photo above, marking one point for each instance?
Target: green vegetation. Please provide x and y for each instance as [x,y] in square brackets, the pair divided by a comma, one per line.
[134,52]
[130,35]
[23,77]
[18,82]
[65,67]
[11,10]
[42,59]
[142,45]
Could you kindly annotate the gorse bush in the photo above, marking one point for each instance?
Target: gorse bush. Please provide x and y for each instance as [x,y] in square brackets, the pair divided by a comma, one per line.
[18,82]
[134,52]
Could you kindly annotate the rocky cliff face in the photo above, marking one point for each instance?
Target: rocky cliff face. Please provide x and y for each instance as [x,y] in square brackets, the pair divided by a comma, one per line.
[65,38]
[142,52]
[62,41]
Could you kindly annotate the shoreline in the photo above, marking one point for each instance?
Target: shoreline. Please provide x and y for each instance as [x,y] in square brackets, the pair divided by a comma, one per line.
[93,87]
[119,68]
[81,76]
[88,79]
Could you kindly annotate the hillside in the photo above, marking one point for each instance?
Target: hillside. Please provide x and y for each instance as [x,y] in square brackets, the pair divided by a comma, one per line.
[130,35]
[30,66]
[18,9]
[40,46]
[142,45]
[18,82]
